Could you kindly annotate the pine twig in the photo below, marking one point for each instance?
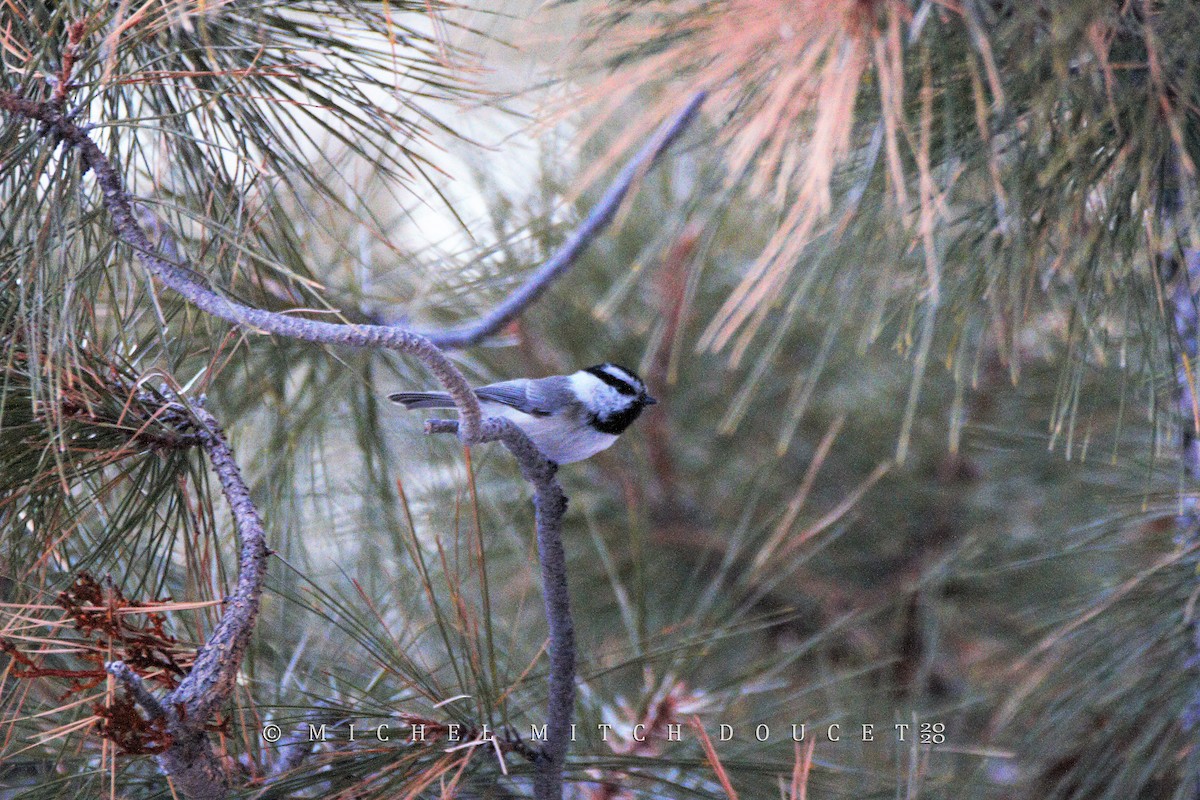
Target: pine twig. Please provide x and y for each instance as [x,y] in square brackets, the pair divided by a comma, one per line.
[214,672]
[593,224]
[550,506]
[132,682]
[195,771]
[1181,270]
[120,208]
[424,346]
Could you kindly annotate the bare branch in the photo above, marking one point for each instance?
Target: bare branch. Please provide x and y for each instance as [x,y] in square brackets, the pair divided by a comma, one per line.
[1180,269]
[550,506]
[120,208]
[423,346]
[593,224]
[189,761]
[596,221]
[132,682]
[292,751]
[212,677]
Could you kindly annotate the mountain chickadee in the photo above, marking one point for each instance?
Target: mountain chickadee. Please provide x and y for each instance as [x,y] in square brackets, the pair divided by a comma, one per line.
[568,417]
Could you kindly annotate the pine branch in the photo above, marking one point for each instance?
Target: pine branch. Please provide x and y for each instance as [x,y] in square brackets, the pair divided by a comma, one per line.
[550,506]
[594,223]
[214,672]
[188,759]
[1181,270]
[298,745]
[597,220]
[120,207]
[424,346]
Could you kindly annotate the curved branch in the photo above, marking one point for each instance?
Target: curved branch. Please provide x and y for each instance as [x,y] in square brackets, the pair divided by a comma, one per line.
[424,346]
[120,208]
[189,760]
[550,506]
[593,224]
[212,677]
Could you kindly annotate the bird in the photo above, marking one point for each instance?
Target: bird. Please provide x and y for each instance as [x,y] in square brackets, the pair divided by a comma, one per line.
[567,417]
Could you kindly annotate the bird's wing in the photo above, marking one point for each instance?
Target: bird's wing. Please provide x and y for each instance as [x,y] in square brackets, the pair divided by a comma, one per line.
[523,395]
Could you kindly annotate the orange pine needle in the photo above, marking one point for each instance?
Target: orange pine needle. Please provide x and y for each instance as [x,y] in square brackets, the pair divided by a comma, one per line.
[711,754]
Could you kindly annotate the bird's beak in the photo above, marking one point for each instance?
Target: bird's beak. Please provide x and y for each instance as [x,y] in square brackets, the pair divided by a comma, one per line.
[650,401]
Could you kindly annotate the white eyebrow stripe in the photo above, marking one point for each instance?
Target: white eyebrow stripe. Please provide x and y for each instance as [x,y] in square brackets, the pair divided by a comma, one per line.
[622,375]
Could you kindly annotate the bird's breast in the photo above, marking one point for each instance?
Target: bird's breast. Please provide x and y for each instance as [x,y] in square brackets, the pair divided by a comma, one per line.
[562,438]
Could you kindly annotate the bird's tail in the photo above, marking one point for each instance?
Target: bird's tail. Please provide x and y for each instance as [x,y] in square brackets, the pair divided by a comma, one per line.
[412,400]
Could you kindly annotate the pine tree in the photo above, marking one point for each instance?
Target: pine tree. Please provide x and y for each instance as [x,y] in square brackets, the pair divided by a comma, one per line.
[915,291]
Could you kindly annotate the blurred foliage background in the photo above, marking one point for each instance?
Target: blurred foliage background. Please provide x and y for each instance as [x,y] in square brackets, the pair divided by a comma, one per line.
[902,294]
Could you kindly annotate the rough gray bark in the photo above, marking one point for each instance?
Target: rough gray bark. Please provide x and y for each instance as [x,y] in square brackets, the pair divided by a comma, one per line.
[1184,272]
[550,507]
[189,761]
[1180,270]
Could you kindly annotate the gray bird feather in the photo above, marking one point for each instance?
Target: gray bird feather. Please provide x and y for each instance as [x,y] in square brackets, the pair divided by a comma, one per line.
[534,397]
